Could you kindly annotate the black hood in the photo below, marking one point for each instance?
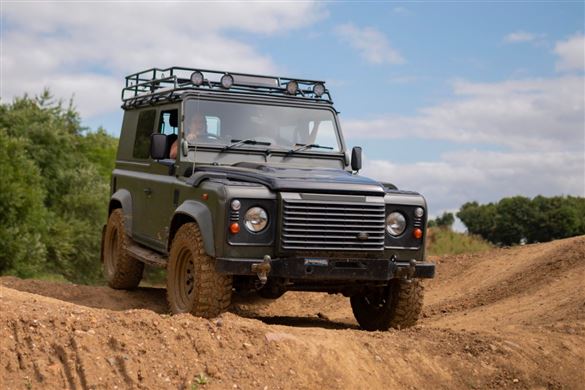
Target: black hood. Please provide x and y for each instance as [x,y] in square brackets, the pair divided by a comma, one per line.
[291,178]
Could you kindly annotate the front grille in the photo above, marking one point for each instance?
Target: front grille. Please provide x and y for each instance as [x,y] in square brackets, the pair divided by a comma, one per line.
[330,225]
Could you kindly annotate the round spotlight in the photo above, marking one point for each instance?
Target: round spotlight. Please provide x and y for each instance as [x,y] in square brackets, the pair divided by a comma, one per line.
[227,80]
[318,89]
[292,87]
[197,78]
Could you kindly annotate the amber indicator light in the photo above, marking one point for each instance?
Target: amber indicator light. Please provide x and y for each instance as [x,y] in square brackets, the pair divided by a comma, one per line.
[205,196]
[417,233]
[235,228]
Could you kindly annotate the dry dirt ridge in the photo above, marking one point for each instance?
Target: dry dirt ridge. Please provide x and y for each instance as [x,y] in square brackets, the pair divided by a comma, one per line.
[508,318]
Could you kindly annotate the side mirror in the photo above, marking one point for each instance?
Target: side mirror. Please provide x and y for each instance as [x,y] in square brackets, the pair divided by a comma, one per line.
[158,146]
[356,158]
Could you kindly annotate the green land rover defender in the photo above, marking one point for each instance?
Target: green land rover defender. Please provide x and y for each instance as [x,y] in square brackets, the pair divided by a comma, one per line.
[241,183]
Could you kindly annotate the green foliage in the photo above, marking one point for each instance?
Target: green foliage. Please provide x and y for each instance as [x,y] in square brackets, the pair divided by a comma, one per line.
[54,190]
[520,219]
[446,220]
[444,241]
[22,213]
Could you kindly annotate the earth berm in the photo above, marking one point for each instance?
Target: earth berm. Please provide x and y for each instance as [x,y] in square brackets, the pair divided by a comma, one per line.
[506,318]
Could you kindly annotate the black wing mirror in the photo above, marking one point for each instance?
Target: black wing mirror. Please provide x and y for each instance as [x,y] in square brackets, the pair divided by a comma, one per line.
[356,158]
[158,146]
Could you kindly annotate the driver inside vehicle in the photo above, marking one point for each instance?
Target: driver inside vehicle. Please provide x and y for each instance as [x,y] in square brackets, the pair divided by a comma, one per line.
[197,129]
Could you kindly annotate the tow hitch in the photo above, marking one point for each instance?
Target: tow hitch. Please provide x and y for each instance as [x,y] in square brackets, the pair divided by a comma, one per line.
[262,270]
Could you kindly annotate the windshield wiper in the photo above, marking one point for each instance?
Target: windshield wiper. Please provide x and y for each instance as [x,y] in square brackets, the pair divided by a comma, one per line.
[249,141]
[308,146]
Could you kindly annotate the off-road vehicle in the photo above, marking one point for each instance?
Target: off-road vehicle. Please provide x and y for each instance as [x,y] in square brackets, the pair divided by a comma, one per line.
[243,183]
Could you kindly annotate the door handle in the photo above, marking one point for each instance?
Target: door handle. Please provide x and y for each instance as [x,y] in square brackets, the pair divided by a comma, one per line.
[148,191]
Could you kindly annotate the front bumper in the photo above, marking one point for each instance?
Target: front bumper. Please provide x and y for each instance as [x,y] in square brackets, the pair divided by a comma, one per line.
[329,269]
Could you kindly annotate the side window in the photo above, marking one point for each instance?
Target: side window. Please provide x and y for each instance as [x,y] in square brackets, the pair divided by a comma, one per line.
[169,122]
[144,129]
[213,125]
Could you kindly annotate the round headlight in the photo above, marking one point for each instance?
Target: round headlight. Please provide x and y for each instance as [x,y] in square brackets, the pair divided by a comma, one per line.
[256,219]
[227,81]
[292,87]
[197,78]
[318,89]
[395,223]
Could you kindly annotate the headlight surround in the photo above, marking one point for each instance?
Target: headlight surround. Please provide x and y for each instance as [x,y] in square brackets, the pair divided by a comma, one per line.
[395,223]
[256,219]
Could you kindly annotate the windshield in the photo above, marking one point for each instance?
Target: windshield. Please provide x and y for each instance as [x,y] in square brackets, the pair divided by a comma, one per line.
[241,125]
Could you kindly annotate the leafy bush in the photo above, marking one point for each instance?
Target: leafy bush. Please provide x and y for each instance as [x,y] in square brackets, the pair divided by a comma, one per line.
[524,220]
[446,220]
[55,188]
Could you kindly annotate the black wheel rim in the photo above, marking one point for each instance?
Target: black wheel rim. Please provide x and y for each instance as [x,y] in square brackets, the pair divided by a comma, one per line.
[185,281]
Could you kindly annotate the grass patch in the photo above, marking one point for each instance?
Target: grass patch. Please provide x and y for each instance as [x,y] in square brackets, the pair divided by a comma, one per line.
[444,241]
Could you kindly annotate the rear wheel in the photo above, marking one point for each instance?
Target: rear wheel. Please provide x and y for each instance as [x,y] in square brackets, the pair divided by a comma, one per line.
[398,305]
[193,285]
[121,270]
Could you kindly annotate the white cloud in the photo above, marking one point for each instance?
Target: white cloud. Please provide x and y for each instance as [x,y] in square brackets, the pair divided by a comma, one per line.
[86,49]
[538,125]
[521,36]
[541,114]
[571,53]
[372,45]
[483,176]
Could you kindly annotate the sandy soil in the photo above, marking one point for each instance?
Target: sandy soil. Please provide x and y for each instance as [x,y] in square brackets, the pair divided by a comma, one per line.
[507,318]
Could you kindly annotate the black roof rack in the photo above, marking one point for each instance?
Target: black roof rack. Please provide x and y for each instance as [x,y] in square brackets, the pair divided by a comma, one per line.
[156,84]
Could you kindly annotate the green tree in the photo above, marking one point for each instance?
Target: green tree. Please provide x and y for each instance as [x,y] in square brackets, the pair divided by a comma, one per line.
[446,220]
[54,190]
[479,220]
[22,213]
[513,218]
[520,219]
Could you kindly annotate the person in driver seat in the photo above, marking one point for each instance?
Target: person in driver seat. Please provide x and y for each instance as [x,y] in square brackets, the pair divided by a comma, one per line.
[197,129]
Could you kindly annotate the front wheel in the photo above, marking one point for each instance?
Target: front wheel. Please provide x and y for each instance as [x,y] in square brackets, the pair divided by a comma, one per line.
[193,284]
[398,305]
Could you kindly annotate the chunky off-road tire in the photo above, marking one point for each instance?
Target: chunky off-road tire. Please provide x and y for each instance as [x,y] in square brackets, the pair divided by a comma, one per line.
[121,270]
[396,306]
[193,285]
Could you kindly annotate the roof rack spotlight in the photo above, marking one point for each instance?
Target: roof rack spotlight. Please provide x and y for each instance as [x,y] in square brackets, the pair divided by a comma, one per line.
[292,87]
[197,78]
[227,80]
[318,89]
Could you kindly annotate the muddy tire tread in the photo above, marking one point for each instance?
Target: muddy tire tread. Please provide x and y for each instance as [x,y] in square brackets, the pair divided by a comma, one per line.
[213,291]
[127,270]
[402,310]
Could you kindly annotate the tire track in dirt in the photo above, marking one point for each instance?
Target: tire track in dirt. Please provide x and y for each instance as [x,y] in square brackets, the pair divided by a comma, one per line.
[55,335]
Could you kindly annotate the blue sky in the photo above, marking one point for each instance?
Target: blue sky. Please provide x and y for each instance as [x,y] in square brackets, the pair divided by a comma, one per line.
[459,100]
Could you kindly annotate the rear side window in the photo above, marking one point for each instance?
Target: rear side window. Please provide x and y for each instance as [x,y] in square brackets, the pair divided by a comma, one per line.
[143,132]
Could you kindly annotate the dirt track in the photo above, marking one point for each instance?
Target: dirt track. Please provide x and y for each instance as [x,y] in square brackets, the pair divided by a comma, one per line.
[508,318]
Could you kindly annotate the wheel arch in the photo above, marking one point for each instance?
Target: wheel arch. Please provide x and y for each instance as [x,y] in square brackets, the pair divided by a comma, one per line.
[122,199]
[193,211]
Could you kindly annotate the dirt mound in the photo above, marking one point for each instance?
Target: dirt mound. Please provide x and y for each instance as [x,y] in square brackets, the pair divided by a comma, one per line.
[510,317]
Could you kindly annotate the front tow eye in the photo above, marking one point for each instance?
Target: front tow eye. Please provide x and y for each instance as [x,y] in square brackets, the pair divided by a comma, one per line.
[411,268]
[262,270]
